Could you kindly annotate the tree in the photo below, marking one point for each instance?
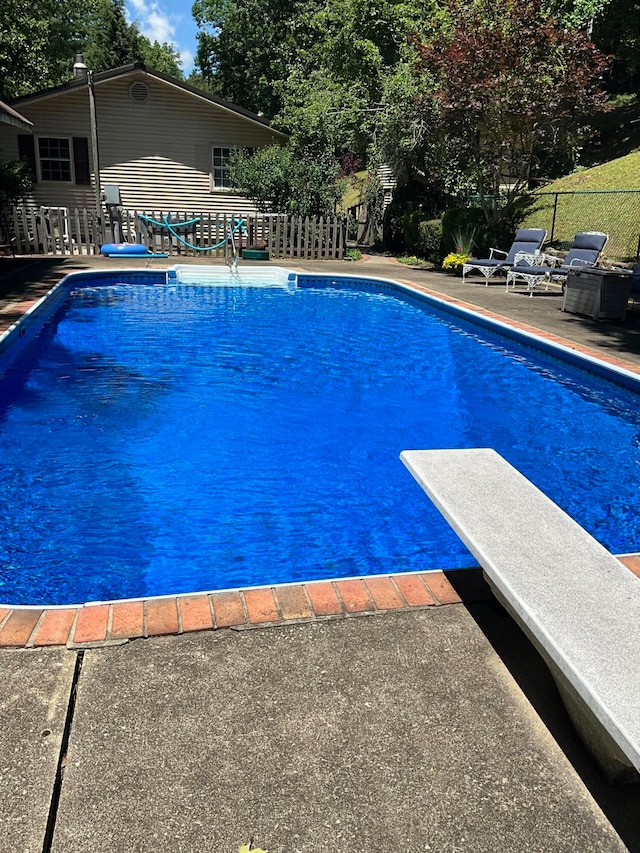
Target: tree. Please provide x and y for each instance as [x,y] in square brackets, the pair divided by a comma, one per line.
[323,114]
[163,57]
[282,180]
[576,14]
[110,41]
[616,31]
[246,46]
[505,88]
[332,95]
[38,41]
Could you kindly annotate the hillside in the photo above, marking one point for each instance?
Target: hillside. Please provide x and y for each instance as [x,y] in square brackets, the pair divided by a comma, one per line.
[605,198]
[620,174]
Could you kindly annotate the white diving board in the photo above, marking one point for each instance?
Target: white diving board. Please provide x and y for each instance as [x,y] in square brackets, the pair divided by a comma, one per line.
[577,603]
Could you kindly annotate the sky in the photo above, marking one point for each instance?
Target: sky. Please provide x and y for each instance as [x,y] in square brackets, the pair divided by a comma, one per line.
[167,21]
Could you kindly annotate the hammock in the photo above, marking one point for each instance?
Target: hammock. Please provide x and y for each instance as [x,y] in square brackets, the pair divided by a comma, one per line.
[239,224]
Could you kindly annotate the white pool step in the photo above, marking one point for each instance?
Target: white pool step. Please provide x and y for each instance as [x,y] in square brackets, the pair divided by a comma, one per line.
[222,276]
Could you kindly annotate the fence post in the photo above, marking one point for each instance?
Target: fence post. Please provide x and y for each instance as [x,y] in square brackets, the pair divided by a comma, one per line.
[553,220]
[78,231]
[307,245]
[299,250]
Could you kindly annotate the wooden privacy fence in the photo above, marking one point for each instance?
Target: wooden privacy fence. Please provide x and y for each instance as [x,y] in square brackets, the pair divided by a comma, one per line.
[65,231]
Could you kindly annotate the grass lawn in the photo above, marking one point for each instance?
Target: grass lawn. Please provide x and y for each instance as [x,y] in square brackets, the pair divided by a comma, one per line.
[615,213]
[620,174]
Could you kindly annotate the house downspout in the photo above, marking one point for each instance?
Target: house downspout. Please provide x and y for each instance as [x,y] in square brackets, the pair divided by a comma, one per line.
[96,160]
[81,70]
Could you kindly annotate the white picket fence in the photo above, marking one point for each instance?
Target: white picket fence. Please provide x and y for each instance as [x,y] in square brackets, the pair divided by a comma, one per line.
[64,231]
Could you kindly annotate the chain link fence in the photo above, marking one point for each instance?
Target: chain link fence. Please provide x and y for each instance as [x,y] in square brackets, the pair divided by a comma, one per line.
[616,212]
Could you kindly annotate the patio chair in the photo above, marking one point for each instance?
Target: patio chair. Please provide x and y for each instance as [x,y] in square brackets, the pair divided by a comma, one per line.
[55,223]
[585,250]
[528,241]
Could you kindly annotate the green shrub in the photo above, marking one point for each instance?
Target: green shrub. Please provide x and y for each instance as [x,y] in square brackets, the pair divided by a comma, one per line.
[282,180]
[411,222]
[429,239]
[407,199]
[458,221]
[397,225]
[502,230]
[352,227]
[16,181]
[392,233]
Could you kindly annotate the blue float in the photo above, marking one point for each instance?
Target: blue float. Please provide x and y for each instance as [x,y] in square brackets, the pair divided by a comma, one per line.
[131,250]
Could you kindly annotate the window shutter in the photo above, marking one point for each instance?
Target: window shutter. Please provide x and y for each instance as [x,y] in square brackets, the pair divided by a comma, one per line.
[27,152]
[81,160]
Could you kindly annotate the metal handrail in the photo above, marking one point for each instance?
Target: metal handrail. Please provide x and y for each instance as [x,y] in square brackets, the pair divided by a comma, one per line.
[233,261]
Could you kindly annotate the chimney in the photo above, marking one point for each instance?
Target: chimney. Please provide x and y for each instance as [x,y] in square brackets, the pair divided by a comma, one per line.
[79,68]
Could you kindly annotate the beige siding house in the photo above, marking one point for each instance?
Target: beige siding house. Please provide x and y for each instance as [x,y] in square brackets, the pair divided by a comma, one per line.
[161,142]
[10,116]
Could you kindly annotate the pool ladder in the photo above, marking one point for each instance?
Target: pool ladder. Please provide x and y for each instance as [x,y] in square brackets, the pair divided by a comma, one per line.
[231,252]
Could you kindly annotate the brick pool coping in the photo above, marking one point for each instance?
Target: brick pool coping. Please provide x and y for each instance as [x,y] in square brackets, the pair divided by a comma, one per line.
[114,622]
[80,626]
[104,624]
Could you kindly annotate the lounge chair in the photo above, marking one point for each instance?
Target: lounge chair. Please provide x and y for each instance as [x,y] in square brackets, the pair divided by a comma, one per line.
[528,241]
[585,250]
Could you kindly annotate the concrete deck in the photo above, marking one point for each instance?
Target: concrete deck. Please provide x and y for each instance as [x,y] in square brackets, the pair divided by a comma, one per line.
[432,730]
[396,733]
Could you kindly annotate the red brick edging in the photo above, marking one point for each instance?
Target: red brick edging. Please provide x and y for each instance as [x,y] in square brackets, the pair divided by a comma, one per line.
[119,621]
[96,624]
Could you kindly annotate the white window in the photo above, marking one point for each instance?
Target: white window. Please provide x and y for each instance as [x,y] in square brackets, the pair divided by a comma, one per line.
[220,168]
[54,158]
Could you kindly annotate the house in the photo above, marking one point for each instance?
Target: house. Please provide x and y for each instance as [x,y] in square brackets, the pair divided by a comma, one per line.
[10,116]
[162,145]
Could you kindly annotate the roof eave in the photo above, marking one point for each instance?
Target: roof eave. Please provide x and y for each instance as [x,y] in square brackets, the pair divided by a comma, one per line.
[125,70]
[10,116]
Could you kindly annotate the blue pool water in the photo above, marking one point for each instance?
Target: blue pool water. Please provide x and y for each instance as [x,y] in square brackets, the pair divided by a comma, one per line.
[166,439]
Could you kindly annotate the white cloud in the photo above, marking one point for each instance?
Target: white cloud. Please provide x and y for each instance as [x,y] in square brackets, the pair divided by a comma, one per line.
[186,60]
[153,21]
[138,5]
[157,24]
[159,27]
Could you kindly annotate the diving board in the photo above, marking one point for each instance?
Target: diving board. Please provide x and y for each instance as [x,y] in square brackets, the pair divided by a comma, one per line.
[577,603]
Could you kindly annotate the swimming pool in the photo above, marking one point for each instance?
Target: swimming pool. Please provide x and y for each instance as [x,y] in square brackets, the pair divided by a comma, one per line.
[159,436]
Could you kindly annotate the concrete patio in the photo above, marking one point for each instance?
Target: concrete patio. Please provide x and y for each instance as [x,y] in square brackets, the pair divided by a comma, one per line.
[436,730]
[430,730]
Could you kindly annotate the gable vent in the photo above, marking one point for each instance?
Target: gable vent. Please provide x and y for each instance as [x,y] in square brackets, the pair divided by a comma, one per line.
[139,92]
